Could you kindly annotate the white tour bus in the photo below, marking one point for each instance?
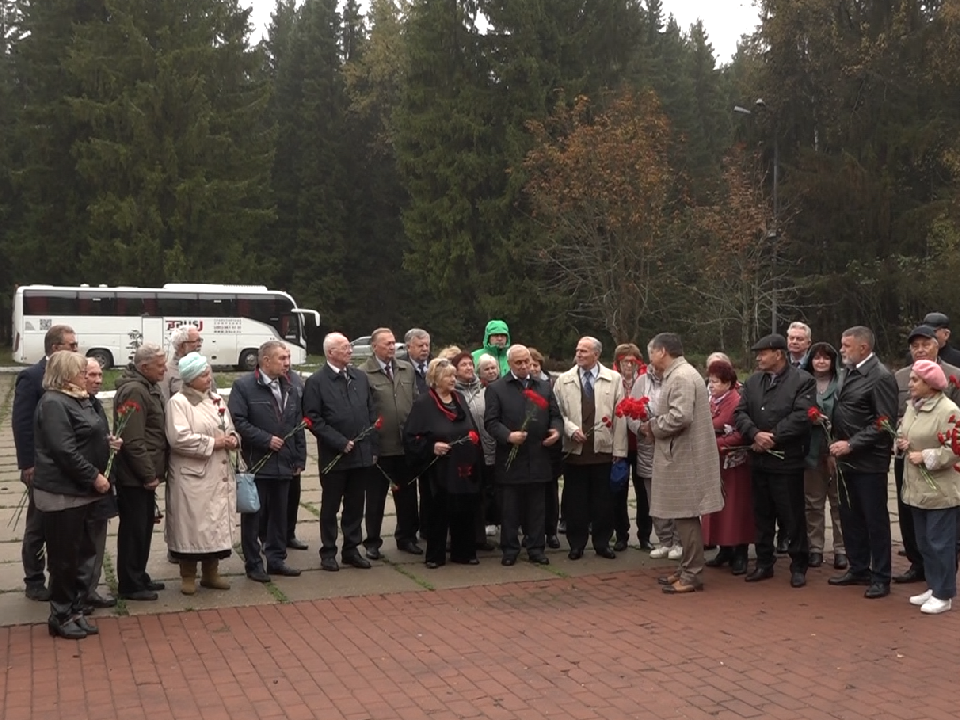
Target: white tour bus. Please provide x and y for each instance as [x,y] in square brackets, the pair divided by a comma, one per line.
[111,323]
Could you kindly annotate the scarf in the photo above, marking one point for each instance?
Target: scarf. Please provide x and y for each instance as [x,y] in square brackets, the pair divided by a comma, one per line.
[74,391]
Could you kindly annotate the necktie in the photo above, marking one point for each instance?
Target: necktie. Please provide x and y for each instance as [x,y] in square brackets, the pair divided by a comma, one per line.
[345,375]
[588,384]
[275,389]
[423,368]
[388,370]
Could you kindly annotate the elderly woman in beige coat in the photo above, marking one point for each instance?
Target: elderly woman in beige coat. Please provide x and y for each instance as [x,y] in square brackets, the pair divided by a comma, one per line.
[201,490]
[686,463]
[931,485]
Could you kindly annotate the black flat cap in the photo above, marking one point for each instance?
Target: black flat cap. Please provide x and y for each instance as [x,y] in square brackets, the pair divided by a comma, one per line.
[936,320]
[770,342]
[922,331]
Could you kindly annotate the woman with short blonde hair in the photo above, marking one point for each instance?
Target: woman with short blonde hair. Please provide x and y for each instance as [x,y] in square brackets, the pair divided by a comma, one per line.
[439,367]
[448,353]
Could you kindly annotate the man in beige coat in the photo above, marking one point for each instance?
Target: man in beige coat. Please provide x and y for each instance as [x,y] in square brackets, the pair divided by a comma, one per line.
[686,463]
[593,439]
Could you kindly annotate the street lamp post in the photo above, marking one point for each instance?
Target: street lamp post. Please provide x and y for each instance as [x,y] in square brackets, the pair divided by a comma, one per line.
[774,233]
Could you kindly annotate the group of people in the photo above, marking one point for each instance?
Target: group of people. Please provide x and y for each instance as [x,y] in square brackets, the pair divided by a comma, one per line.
[466,442]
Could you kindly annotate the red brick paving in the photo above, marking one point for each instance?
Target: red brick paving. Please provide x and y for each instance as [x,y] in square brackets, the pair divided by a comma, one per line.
[605,647]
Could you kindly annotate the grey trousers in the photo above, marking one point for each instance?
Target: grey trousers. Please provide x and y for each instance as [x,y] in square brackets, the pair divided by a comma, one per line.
[32,554]
[666,530]
[692,561]
[818,487]
[91,564]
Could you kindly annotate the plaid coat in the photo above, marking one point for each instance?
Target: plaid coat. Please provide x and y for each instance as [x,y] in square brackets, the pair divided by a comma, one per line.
[686,463]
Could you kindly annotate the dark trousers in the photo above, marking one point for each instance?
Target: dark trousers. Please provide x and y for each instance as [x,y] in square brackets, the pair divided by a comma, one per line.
[522,504]
[136,507]
[905,514]
[293,505]
[481,509]
[65,532]
[404,499]
[621,507]
[268,526]
[551,506]
[423,521]
[589,502]
[937,539]
[778,499]
[375,502]
[346,487]
[866,524]
[91,556]
[456,514]
[34,559]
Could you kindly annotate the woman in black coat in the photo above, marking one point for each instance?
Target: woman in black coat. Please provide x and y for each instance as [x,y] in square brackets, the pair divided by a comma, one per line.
[72,452]
[440,431]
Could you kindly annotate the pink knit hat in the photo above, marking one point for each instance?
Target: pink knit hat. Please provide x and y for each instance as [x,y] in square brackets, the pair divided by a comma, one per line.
[930,373]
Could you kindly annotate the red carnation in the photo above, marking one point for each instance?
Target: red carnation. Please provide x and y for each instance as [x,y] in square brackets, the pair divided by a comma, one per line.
[953,381]
[941,438]
[606,421]
[815,415]
[308,423]
[222,411]
[536,398]
[474,437]
[881,421]
[379,423]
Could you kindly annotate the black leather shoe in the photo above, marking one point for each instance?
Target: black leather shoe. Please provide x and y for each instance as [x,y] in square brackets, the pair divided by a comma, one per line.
[783,546]
[38,593]
[296,544]
[840,561]
[914,574]
[258,576]
[850,578]
[759,574]
[539,559]
[99,601]
[815,559]
[283,570]
[575,553]
[356,561]
[562,527]
[486,546]
[607,553]
[508,562]
[68,630]
[140,596]
[374,554]
[877,590]
[720,559]
[410,547]
[469,561]
[798,580]
[646,546]
[620,545]
[553,542]
[431,565]
[155,585]
[329,564]
[739,565]
[82,623]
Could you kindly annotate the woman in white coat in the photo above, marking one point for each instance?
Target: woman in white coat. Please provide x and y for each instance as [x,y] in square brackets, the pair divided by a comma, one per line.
[201,489]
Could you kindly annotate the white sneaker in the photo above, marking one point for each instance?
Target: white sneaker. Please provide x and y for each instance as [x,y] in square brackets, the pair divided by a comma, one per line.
[676,552]
[933,606]
[921,598]
[491,530]
[661,552]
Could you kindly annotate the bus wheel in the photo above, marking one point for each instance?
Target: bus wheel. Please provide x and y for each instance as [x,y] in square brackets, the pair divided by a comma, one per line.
[248,360]
[103,357]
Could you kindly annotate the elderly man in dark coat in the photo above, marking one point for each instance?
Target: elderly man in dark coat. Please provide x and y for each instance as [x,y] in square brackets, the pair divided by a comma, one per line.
[522,415]
[340,406]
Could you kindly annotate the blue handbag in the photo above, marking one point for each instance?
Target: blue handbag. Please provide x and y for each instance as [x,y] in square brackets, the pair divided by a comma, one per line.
[619,472]
[248,499]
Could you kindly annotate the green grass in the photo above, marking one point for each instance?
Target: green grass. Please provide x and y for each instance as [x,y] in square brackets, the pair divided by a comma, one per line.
[223,379]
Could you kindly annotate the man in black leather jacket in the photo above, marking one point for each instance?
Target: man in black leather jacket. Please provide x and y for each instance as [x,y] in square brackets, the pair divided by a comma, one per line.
[867,394]
[772,416]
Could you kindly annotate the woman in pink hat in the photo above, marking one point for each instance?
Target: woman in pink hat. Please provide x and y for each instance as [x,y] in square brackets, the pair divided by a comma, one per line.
[931,482]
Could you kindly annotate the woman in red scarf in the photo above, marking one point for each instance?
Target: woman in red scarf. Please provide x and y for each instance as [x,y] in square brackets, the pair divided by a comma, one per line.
[731,528]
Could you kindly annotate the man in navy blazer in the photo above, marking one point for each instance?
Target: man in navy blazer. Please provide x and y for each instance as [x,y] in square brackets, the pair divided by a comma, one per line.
[27,393]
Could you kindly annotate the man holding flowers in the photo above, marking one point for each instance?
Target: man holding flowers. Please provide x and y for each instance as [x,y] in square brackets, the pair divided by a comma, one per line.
[266,406]
[773,417]
[521,414]
[338,402]
[866,399]
[594,438]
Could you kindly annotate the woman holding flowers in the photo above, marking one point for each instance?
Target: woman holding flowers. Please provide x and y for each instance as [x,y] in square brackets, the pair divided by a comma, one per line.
[201,491]
[440,433]
[731,528]
[931,483]
[821,478]
[72,451]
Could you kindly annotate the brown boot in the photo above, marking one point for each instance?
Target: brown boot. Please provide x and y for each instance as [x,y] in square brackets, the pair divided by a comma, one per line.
[188,577]
[211,576]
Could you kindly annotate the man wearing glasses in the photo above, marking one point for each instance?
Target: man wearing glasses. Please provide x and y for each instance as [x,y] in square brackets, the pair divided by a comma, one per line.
[183,341]
[27,393]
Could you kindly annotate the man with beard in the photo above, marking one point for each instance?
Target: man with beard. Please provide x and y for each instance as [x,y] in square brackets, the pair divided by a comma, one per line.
[521,414]
[924,345]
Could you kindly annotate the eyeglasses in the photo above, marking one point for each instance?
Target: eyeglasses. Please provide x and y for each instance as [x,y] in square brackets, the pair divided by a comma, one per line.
[73,345]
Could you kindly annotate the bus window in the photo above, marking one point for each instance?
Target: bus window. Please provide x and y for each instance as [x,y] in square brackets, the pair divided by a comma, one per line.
[174,304]
[222,307]
[136,303]
[49,302]
[96,303]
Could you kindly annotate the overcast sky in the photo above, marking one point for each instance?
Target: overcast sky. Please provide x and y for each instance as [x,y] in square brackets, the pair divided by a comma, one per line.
[725,20]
